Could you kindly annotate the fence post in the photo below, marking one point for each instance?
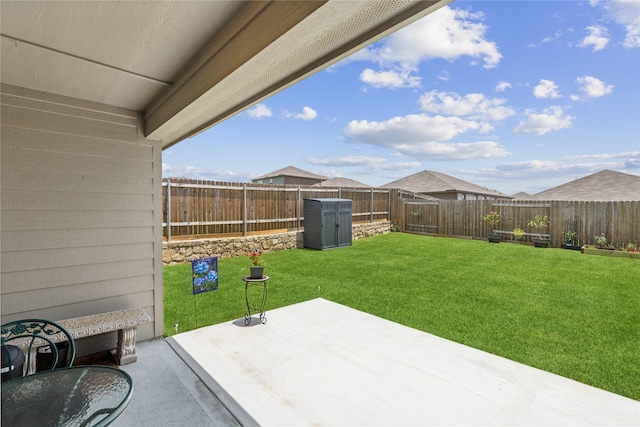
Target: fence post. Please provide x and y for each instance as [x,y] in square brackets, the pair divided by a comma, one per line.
[168,210]
[371,216]
[244,210]
[299,194]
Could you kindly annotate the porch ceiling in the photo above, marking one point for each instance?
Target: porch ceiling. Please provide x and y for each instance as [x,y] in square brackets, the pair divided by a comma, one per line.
[186,65]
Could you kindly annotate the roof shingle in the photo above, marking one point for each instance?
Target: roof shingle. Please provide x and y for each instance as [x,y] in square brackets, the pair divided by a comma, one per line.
[291,171]
[427,182]
[603,186]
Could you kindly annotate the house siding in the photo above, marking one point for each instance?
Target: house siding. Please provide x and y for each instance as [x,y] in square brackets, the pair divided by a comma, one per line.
[80,211]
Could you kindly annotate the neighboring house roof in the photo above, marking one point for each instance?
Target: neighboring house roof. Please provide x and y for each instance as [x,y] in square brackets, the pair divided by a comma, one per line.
[291,171]
[429,182]
[522,196]
[342,182]
[186,65]
[603,186]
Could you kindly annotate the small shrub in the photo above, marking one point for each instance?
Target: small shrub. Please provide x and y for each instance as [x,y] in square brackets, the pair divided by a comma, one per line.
[601,240]
[570,236]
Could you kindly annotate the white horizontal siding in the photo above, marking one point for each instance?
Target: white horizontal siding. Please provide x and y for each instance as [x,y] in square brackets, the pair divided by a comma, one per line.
[36,219]
[79,145]
[80,225]
[55,199]
[18,261]
[39,279]
[63,296]
[51,121]
[54,239]
[18,178]
[84,164]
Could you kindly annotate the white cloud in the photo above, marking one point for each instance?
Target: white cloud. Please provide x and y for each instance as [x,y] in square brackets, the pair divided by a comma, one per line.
[502,86]
[593,87]
[454,151]
[444,34]
[373,163]
[546,89]
[624,155]
[259,110]
[627,14]
[569,167]
[444,76]
[423,136]
[307,114]
[548,120]
[598,38]
[412,129]
[392,79]
[472,105]
[556,36]
[193,172]
[447,33]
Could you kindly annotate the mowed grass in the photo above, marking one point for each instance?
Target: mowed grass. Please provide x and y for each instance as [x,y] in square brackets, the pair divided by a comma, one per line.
[561,311]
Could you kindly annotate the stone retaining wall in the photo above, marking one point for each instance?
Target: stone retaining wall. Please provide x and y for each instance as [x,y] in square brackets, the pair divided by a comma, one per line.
[178,252]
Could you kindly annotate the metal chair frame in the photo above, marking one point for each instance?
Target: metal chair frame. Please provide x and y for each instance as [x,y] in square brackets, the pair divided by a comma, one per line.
[31,334]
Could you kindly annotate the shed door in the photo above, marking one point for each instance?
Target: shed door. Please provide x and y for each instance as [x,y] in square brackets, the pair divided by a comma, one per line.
[344,223]
[329,213]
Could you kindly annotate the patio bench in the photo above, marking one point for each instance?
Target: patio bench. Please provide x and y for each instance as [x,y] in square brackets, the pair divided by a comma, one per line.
[124,321]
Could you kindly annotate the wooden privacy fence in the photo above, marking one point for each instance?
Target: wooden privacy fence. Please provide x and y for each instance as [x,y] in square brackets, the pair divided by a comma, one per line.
[619,221]
[196,209]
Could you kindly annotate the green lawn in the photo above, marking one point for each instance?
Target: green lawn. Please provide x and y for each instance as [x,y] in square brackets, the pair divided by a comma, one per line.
[558,310]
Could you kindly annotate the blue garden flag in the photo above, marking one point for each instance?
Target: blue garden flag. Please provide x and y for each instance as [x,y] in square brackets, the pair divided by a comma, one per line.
[205,274]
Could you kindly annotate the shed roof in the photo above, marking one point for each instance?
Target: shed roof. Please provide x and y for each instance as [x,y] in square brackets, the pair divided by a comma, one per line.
[603,186]
[429,182]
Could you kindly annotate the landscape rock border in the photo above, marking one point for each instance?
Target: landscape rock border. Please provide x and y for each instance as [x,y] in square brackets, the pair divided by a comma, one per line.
[183,251]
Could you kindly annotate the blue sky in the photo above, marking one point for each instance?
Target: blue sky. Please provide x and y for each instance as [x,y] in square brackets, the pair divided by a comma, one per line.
[510,95]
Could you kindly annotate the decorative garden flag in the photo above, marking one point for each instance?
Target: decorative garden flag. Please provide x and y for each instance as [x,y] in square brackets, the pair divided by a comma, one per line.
[205,274]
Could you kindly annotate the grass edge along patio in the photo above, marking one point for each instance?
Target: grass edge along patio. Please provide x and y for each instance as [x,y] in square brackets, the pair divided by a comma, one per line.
[557,310]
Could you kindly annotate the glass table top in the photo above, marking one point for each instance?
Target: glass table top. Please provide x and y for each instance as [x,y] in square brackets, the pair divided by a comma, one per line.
[76,396]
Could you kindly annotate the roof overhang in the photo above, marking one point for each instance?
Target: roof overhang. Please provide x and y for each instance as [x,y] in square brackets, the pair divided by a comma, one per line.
[186,65]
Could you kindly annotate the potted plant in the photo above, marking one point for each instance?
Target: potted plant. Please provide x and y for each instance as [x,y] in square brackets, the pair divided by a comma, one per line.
[257,267]
[540,222]
[601,242]
[518,233]
[570,239]
[493,218]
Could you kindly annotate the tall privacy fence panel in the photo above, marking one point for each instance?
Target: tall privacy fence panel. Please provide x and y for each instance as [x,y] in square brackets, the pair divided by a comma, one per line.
[200,209]
[197,209]
[619,221]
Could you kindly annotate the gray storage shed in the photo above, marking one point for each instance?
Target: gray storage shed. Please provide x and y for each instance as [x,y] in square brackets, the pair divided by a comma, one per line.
[327,223]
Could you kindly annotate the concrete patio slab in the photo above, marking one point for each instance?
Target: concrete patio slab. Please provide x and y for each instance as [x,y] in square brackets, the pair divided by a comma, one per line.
[321,363]
[167,393]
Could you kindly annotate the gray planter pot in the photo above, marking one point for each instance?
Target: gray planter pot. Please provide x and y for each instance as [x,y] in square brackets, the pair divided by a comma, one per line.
[256,272]
[541,243]
[494,237]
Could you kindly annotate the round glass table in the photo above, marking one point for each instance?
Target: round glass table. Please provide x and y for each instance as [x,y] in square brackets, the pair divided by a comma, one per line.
[76,396]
